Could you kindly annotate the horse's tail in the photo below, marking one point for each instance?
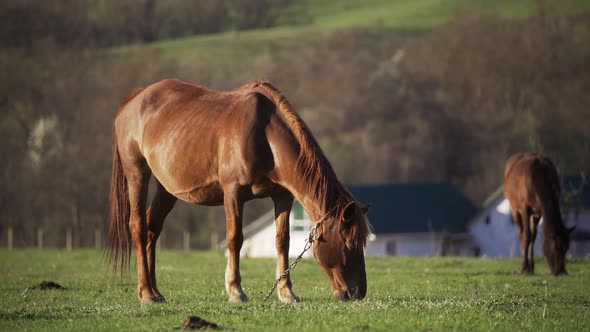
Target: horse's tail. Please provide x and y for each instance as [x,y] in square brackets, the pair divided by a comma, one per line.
[119,238]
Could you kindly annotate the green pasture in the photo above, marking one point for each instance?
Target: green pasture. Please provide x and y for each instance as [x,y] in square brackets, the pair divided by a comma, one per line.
[413,14]
[423,294]
[323,17]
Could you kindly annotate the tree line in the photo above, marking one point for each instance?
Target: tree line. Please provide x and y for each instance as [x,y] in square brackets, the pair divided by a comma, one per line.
[90,23]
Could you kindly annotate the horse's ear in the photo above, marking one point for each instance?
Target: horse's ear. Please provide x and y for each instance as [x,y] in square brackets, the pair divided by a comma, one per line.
[365,208]
[348,211]
[570,229]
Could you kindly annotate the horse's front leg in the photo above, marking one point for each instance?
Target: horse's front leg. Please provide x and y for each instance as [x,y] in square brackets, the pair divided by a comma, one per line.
[234,238]
[283,204]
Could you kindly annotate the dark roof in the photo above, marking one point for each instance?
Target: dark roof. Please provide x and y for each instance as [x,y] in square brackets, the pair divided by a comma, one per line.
[576,194]
[415,207]
[494,197]
[576,190]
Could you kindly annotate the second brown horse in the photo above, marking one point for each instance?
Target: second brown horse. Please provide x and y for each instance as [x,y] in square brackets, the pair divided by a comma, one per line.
[532,187]
[212,147]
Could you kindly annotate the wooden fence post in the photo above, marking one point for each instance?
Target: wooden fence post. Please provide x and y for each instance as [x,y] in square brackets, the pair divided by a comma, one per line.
[97,238]
[69,238]
[10,238]
[39,238]
[214,240]
[186,240]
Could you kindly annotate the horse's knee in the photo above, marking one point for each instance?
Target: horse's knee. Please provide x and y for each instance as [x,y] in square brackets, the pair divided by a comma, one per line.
[235,240]
[137,227]
[282,241]
[152,238]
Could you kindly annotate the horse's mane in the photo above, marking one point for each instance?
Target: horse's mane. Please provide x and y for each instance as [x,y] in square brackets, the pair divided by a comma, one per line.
[314,167]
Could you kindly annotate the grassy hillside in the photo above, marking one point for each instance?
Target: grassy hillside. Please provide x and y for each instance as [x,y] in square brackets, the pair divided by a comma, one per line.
[323,16]
[414,14]
[405,294]
[398,13]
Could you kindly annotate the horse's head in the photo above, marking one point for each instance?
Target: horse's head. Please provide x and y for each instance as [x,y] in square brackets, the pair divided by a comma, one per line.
[555,247]
[339,249]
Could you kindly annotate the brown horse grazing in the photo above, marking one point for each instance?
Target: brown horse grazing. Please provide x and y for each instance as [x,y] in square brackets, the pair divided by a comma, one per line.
[224,148]
[532,187]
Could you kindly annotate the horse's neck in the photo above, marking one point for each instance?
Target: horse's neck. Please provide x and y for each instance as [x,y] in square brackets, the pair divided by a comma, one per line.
[552,220]
[314,208]
[317,208]
[552,224]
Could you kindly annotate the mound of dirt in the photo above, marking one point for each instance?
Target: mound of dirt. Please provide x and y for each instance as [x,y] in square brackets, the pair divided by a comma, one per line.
[197,323]
[47,285]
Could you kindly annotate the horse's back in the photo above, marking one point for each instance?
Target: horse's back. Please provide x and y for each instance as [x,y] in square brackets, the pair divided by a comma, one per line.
[527,176]
[144,104]
[519,158]
[530,164]
[187,132]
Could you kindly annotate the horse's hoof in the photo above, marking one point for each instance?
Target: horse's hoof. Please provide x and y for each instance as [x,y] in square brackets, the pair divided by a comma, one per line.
[288,297]
[238,298]
[149,299]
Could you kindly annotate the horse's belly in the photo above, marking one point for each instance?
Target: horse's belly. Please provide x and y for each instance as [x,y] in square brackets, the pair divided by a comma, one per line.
[266,188]
[210,194]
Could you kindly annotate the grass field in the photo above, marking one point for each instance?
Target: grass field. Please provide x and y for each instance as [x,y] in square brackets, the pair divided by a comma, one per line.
[404,294]
[319,17]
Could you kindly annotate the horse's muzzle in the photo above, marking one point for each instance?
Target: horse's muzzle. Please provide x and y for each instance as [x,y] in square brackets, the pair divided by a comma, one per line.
[356,293]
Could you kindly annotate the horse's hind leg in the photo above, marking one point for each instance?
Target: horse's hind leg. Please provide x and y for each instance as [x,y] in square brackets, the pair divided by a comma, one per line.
[138,176]
[533,223]
[521,230]
[526,242]
[283,204]
[234,208]
[161,205]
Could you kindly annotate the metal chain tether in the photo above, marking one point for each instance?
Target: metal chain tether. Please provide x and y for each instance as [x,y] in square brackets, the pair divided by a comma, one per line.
[308,243]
